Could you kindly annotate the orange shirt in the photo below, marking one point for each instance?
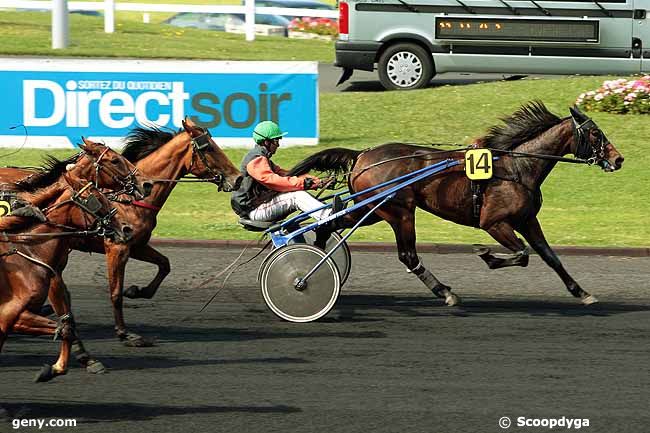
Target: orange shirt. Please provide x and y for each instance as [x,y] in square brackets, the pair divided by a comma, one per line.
[260,169]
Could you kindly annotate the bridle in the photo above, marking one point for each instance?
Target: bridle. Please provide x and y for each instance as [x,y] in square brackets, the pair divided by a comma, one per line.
[128,182]
[592,153]
[90,204]
[199,145]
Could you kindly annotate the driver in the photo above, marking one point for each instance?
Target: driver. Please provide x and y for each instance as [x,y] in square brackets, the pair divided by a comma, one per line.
[266,192]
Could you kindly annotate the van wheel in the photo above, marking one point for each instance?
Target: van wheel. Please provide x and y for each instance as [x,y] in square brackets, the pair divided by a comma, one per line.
[405,67]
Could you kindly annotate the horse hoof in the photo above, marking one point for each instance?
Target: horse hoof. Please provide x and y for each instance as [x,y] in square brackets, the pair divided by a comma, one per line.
[452,300]
[95,367]
[46,374]
[132,292]
[480,250]
[589,299]
[134,340]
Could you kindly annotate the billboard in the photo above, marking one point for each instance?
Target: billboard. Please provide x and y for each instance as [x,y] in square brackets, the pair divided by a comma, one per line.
[59,100]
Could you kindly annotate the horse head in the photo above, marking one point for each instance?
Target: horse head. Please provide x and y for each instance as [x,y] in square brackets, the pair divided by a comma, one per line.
[208,160]
[108,169]
[90,200]
[590,143]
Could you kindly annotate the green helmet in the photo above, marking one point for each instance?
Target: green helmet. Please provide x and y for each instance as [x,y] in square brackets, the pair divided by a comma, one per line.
[267,130]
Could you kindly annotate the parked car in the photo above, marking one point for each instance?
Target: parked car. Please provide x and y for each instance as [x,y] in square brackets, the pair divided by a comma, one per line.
[221,21]
[321,26]
[302,4]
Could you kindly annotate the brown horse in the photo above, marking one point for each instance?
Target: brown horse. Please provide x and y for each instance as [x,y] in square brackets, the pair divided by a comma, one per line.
[508,202]
[34,251]
[167,158]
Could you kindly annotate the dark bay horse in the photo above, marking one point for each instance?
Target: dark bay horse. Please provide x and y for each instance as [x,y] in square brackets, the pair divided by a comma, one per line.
[508,202]
[34,250]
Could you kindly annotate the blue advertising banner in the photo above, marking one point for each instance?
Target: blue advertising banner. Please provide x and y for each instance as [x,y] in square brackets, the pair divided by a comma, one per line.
[59,100]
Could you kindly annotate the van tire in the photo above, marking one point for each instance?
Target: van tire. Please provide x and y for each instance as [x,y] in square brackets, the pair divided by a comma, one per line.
[405,66]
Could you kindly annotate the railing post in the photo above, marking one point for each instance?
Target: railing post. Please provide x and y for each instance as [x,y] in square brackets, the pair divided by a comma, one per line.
[109,16]
[250,19]
[59,24]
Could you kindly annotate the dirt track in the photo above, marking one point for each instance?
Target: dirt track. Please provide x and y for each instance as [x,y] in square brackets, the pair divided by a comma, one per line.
[389,358]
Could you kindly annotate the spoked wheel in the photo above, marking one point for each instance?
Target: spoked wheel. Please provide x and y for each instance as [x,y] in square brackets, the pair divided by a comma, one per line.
[341,256]
[281,272]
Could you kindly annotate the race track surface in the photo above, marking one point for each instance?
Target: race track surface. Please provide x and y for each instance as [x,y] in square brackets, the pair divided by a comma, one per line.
[388,358]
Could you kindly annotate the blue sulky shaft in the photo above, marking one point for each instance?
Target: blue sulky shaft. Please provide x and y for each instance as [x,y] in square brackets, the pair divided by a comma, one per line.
[429,170]
[404,181]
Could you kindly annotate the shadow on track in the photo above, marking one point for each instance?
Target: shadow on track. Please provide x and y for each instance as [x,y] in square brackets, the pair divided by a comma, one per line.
[88,413]
[355,307]
[141,361]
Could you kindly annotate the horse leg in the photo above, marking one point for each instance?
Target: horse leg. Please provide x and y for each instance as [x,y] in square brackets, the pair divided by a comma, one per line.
[30,323]
[116,257]
[404,228]
[532,231]
[505,235]
[343,222]
[148,254]
[60,300]
[65,330]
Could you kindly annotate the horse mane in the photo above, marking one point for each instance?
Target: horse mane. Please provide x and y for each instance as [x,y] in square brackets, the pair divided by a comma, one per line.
[143,141]
[52,170]
[526,123]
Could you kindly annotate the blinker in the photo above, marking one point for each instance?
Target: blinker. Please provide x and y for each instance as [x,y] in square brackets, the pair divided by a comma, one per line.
[92,203]
[202,141]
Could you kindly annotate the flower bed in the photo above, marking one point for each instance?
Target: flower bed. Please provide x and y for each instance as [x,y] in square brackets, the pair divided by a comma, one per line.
[619,96]
[320,28]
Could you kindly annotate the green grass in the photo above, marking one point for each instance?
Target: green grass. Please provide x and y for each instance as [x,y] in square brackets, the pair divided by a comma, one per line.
[582,205]
[29,33]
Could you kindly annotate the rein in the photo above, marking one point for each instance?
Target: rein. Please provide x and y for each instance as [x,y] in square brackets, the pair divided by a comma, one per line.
[88,205]
[426,156]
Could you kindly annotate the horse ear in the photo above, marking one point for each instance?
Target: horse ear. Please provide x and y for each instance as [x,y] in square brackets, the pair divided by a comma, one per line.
[88,145]
[578,115]
[82,145]
[190,122]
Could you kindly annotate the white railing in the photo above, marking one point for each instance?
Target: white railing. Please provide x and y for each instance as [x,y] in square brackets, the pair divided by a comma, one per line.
[110,6]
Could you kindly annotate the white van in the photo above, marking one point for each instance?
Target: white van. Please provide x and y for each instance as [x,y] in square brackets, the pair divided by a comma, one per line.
[410,41]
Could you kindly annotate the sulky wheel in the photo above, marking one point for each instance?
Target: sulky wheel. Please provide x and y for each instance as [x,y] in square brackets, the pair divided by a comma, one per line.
[341,256]
[284,268]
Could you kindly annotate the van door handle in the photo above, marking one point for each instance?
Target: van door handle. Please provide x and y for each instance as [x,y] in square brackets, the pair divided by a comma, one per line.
[639,14]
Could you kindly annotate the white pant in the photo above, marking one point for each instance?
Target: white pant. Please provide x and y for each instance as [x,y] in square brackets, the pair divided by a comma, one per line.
[284,204]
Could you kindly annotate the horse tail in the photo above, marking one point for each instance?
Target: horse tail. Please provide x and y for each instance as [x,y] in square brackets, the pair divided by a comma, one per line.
[337,160]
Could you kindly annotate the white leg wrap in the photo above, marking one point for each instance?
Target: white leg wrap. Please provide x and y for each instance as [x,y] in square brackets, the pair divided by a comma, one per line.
[428,279]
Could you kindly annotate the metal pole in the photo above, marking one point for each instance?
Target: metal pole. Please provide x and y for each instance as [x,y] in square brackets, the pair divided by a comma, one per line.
[109,16]
[250,19]
[59,24]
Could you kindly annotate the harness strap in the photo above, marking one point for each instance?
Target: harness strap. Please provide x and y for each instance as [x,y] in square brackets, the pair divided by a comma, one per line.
[14,251]
[477,201]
